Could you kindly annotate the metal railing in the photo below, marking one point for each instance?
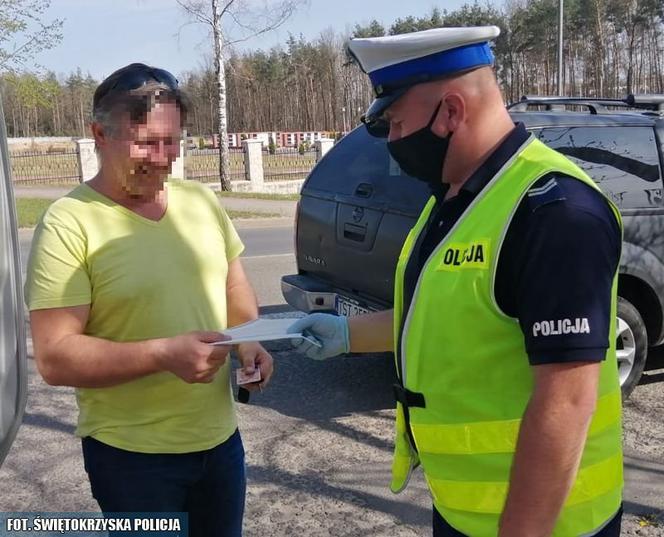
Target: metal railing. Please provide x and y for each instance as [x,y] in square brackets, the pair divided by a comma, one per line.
[62,166]
[203,165]
[288,164]
[45,167]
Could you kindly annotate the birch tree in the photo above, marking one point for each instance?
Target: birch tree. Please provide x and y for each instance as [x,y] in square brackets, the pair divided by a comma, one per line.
[231,22]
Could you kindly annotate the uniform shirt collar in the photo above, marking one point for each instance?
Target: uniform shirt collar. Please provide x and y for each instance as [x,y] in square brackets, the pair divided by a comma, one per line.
[492,165]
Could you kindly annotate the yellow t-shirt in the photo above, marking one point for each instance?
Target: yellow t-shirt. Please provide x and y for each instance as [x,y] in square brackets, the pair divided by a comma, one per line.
[143,280]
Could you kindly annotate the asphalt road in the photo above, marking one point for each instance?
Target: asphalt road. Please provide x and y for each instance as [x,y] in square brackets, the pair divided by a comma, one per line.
[318,441]
[267,256]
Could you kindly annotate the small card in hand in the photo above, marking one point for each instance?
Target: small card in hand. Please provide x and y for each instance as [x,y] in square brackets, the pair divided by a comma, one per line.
[243,378]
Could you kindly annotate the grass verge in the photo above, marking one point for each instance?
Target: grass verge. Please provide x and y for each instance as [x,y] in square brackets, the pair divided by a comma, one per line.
[251,214]
[47,184]
[259,196]
[30,210]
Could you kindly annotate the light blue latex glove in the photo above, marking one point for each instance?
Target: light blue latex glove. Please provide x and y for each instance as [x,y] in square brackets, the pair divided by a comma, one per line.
[331,331]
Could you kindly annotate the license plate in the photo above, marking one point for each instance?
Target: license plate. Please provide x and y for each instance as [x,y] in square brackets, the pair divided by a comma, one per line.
[349,308]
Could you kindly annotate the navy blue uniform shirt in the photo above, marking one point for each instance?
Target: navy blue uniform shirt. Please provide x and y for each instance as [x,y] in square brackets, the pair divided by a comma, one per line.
[556,265]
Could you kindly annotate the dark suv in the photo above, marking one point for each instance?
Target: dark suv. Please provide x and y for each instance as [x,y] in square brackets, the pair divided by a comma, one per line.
[356,209]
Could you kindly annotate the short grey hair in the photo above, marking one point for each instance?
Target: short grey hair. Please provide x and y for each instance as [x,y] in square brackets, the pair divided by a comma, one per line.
[136,104]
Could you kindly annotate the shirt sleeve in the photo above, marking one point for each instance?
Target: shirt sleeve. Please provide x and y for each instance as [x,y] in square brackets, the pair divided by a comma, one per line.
[564,284]
[234,245]
[57,274]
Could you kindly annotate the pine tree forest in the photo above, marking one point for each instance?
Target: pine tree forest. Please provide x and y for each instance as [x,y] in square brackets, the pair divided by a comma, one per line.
[611,48]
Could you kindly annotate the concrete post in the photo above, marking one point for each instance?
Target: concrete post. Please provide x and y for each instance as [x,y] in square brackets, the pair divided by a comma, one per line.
[177,169]
[323,146]
[88,165]
[253,163]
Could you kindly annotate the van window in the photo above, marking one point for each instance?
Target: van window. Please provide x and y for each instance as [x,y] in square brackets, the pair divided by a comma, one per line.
[622,160]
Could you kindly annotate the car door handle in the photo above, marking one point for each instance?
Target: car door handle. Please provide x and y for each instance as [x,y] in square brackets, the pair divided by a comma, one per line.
[355,233]
[364,190]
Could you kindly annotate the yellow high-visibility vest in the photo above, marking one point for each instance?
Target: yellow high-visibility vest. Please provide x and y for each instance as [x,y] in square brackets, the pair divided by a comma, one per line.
[468,361]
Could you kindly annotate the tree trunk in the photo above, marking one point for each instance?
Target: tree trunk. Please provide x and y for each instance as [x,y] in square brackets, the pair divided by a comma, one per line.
[599,49]
[81,117]
[56,117]
[15,125]
[630,64]
[224,165]
[24,128]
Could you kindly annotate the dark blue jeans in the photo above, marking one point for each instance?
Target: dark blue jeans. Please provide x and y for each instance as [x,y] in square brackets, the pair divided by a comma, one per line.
[442,529]
[209,485]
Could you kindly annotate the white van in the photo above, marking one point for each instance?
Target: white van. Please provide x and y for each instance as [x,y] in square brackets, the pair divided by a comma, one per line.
[13,355]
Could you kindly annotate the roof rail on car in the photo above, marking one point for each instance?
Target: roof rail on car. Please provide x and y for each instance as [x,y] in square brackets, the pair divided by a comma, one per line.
[654,102]
[550,102]
[646,102]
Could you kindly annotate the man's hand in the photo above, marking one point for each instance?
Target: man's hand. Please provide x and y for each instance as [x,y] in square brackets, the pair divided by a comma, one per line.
[331,331]
[252,356]
[191,357]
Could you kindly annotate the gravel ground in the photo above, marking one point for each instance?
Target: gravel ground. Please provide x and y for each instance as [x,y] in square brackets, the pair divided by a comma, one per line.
[644,444]
[331,452]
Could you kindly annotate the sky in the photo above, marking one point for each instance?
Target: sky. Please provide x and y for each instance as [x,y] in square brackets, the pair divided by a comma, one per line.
[103,35]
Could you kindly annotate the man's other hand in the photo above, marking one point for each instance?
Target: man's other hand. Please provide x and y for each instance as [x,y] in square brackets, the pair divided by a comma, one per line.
[252,356]
[191,357]
[331,331]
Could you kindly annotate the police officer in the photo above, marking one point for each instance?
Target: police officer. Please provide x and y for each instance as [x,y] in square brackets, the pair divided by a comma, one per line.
[503,325]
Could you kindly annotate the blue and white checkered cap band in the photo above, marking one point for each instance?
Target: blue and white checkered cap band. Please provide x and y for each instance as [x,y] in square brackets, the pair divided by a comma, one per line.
[431,67]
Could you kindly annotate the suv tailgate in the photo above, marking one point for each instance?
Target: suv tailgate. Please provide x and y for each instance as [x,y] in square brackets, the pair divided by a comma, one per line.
[356,208]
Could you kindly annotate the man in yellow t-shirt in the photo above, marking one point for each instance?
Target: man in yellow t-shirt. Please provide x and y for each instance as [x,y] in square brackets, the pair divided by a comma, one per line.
[130,279]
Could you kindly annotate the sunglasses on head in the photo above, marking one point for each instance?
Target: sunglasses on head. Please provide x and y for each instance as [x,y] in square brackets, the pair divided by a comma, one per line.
[133,79]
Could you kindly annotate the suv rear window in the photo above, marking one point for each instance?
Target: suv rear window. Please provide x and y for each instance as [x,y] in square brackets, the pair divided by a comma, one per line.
[622,160]
[360,159]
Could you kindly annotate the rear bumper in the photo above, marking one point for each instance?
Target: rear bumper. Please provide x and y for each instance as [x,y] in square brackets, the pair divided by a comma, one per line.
[307,294]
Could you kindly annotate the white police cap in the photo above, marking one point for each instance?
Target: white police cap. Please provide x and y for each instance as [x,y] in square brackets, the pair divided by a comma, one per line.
[395,63]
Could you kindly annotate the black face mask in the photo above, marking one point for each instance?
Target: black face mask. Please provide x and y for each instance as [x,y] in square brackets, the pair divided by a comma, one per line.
[422,153]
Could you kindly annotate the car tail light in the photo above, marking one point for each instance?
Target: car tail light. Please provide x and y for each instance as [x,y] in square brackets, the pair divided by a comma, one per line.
[297,219]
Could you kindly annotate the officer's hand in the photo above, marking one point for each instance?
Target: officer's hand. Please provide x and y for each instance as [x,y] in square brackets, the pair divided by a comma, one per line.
[190,357]
[331,331]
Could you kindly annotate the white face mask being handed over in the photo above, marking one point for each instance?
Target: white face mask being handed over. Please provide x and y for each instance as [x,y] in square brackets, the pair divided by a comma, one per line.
[422,153]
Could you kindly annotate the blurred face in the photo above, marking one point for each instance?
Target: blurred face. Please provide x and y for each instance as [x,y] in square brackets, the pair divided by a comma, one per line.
[141,155]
